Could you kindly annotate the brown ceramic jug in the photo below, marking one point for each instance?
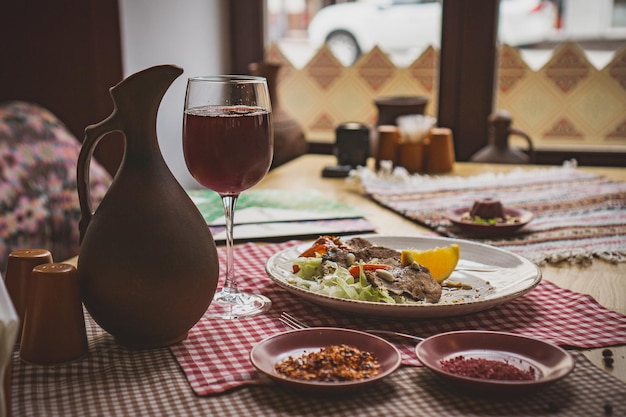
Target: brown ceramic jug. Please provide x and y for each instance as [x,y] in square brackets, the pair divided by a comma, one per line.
[390,108]
[498,150]
[148,264]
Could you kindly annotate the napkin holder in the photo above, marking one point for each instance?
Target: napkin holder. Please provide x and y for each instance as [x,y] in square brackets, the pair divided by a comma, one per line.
[9,324]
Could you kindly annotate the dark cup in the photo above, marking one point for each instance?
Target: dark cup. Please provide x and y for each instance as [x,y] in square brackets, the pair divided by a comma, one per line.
[352,146]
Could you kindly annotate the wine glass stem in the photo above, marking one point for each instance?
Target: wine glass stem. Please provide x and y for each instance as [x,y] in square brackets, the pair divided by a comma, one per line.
[230,282]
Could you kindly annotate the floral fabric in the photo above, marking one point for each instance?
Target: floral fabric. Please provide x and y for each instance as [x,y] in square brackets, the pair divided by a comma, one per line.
[39,205]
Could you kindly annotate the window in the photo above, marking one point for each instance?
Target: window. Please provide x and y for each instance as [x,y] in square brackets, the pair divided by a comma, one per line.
[608,28]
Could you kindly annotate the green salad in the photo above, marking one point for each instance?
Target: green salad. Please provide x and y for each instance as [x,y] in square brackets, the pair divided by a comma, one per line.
[337,281]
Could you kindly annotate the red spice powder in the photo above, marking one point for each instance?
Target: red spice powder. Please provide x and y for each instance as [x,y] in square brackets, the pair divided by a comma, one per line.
[486,369]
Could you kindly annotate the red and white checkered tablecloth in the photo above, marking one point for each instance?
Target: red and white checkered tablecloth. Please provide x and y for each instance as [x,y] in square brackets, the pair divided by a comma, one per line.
[215,356]
[113,380]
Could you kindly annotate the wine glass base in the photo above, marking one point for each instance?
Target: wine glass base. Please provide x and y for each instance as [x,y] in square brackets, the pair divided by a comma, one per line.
[228,305]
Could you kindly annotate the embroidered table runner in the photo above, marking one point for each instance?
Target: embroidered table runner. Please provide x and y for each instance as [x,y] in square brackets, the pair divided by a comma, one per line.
[577,215]
[215,355]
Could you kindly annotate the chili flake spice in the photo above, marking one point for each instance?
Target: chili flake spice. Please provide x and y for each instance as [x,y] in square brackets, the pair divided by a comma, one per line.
[486,369]
[330,364]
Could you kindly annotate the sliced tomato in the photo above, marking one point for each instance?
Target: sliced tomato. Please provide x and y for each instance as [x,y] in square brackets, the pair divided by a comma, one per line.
[321,246]
[355,270]
[314,250]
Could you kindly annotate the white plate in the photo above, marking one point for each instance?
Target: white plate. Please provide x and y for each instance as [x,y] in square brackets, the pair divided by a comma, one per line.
[515,277]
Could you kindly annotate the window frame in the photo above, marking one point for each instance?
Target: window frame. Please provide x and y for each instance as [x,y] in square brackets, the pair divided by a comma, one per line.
[467,73]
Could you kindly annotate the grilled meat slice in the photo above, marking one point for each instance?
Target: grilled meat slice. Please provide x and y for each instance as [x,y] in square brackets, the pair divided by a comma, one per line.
[378,254]
[340,256]
[357,243]
[414,281]
[359,249]
[367,252]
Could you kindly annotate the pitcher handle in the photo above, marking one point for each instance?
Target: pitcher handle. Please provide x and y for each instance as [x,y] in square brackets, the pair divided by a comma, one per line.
[531,148]
[93,134]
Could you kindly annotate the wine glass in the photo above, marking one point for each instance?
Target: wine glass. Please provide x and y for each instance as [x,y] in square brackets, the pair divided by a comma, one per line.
[228,145]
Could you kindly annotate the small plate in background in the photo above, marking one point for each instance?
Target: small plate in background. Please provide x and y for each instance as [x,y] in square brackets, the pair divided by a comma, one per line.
[525,217]
[549,361]
[274,349]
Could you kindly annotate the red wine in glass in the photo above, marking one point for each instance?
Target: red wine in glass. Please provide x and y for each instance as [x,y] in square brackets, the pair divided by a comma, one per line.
[227,149]
[228,146]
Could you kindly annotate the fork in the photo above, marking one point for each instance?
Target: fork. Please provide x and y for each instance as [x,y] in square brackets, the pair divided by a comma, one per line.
[294,323]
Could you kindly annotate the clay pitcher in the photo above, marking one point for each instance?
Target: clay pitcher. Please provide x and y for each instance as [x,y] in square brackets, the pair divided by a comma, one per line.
[498,150]
[148,264]
[390,108]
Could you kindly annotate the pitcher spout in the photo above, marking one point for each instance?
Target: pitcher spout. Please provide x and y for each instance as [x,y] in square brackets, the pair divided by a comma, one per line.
[149,86]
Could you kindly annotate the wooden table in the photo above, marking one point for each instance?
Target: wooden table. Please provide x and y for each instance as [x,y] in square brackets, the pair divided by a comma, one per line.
[604,281]
[113,380]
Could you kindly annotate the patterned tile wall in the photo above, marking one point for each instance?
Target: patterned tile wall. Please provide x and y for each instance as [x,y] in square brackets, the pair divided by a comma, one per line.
[567,102]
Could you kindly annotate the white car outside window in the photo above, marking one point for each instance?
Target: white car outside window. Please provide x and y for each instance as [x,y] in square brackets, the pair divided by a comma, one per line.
[401,26]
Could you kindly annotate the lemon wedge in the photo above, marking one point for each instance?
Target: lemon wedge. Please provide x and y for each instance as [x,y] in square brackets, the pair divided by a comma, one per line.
[439,261]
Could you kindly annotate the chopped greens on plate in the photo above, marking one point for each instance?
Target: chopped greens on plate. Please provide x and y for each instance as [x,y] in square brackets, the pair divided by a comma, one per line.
[337,281]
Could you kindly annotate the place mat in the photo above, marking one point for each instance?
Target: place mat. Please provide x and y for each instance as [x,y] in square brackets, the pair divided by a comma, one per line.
[269,214]
[215,356]
[577,215]
[273,205]
[274,231]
